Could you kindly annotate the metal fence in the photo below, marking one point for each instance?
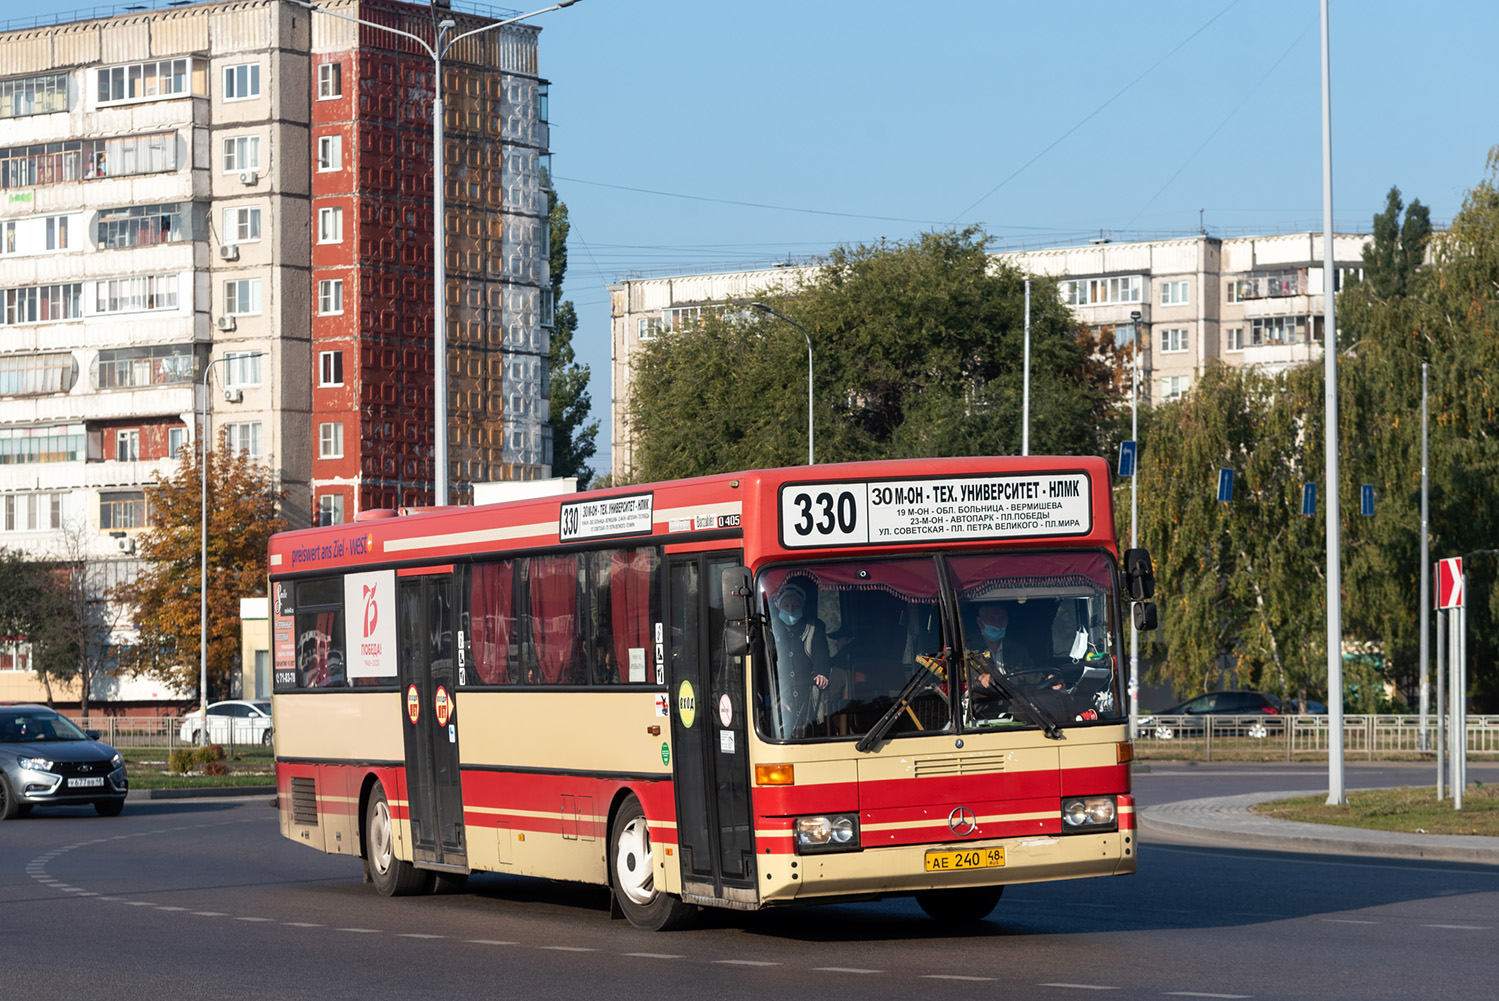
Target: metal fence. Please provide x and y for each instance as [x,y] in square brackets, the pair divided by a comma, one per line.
[1293,738]
[129,732]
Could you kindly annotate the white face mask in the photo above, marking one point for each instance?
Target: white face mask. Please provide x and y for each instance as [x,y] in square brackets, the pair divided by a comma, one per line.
[790,618]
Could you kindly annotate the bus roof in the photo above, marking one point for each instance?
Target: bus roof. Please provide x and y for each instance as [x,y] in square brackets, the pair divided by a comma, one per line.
[878,506]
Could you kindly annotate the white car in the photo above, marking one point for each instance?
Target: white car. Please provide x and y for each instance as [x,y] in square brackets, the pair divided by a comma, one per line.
[233,722]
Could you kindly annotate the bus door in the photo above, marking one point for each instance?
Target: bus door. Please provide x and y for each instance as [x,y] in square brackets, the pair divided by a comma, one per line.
[429,677]
[715,834]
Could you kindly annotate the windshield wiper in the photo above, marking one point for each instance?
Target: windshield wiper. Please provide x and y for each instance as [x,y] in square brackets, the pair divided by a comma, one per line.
[1041,717]
[928,666]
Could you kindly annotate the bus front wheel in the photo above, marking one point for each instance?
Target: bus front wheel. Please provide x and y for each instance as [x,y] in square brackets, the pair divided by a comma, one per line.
[633,877]
[963,905]
[391,876]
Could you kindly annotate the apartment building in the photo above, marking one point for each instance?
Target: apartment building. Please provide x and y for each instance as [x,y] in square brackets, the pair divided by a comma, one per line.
[238,195]
[1252,300]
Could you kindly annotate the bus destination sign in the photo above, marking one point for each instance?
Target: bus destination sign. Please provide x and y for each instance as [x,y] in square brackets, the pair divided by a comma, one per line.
[602,519]
[938,509]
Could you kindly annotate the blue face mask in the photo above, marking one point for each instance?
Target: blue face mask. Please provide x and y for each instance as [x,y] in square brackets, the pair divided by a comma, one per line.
[994,633]
[789,618]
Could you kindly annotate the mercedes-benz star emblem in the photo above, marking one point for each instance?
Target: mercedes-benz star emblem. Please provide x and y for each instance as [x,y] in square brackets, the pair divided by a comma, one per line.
[962,822]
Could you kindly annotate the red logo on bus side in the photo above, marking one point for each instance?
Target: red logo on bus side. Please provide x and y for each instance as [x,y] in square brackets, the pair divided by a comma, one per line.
[413,703]
[442,706]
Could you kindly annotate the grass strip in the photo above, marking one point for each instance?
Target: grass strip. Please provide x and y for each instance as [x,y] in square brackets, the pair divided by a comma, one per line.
[1408,809]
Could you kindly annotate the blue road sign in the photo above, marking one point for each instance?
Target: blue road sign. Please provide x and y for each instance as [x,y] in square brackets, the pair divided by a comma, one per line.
[1126,458]
[1366,500]
[1225,485]
[1309,499]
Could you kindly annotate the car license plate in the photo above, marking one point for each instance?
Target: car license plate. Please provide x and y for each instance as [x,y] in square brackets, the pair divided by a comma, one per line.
[978,858]
[85,783]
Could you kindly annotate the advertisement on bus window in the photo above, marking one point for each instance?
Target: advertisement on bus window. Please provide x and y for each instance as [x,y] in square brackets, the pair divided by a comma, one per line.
[370,624]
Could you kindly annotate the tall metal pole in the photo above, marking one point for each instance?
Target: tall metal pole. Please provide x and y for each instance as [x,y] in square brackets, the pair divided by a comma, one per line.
[1134,525]
[1425,599]
[1442,702]
[1336,796]
[439,47]
[811,454]
[1025,382]
[1455,732]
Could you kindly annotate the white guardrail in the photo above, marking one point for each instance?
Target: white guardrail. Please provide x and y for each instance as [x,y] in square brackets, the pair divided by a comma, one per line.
[158,731]
[1302,736]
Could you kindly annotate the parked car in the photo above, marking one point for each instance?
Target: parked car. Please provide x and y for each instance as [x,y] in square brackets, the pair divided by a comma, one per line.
[45,760]
[1313,708]
[234,721]
[1262,709]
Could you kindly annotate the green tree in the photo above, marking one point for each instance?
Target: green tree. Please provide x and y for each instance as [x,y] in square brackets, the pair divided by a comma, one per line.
[27,603]
[165,602]
[574,436]
[917,352]
[1398,249]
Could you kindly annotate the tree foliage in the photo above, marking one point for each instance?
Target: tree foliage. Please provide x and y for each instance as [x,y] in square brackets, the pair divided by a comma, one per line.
[165,602]
[1398,249]
[917,351]
[574,436]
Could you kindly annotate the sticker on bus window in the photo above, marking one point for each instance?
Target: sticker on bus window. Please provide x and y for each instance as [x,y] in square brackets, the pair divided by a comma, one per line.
[686,704]
[726,710]
[938,509]
[726,741]
[442,706]
[413,704]
[637,665]
[663,705]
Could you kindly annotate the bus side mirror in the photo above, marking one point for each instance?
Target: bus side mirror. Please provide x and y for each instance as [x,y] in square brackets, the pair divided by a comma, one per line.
[1139,574]
[735,639]
[1145,617]
[735,588]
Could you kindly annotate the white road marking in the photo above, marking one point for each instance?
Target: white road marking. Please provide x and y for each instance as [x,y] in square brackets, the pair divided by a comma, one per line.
[1346,921]
[1199,994]
[164,907]
[842,969]
[486,941]
[1460,927]
[1081,987]
[654,955]
[209,914]
[302,924]
[743,962]
[954,976]
[412,934]
[360,931]
[566,948]
[255,919]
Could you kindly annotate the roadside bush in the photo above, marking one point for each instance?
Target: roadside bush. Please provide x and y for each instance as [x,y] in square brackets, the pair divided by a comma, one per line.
[182,759]
[208,754]
[215,768]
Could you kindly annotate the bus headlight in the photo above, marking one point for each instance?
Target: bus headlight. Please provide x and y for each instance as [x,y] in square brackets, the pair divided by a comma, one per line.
[1089,813]
[835,832]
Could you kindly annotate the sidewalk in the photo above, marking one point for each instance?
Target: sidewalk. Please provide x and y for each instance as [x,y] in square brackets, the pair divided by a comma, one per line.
[1226,820]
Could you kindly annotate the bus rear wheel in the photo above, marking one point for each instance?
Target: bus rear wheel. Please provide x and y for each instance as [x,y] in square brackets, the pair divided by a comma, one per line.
[632,873]
[964,905]
[391,876]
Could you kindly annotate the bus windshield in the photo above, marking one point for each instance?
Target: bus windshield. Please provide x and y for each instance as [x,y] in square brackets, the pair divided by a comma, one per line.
[1029,638]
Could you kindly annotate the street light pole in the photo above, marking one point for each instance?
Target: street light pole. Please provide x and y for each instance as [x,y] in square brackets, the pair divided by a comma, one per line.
[1134,515]
[440,46]
[811,455]
[203,544]
[1025,383]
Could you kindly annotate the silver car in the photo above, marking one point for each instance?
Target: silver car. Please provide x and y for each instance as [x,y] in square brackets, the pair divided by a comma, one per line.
[47,761]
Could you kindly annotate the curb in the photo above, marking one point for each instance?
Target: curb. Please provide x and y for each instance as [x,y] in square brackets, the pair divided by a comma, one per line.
[1227,820]
[217,792]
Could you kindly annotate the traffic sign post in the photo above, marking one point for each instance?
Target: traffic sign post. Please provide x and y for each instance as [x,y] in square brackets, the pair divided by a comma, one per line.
[1225,485]
[1451,595]
[1309,500]
[1126,458]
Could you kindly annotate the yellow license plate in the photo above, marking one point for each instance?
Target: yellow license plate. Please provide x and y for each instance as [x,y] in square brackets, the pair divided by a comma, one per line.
[978,858]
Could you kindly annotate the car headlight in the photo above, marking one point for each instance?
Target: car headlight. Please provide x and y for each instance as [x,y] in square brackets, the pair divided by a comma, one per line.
[116,761]
[37,764]
[1089,813]
[836,832]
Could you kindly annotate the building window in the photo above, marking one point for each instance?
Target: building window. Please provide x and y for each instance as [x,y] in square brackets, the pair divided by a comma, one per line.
[33,95]
[146,365]
[243,438]
[241,225]
[241,153]
[331,368]
[648,328]
[42,303]
[1101,291]
[148,81]
[1173,340]
[330,509]
[80,159]
[1174,386]
[241,82]
[135,295]
[330,153]
[122,509]
[330,225]
[37,374]
[24,446]
[1267,284]
[33,512]
[128,445]
[330,296]
[242,297]
[176,441]
[331,440]
[1173,293]
[329,81]
[37,235]
[242,368]
[547,307]
[141,225]
[1233,339]
[1267,330]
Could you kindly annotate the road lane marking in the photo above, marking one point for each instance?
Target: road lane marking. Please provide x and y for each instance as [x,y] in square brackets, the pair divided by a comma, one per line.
[255,919]
[1460,927]
[413,934]
[954,976]
[1080,987]
[1347,921]
[209,914]
[654,955]
[566,948]
[486,941]
[743,962]
[360,931]
[1200,994]
[302,924]
[842,969]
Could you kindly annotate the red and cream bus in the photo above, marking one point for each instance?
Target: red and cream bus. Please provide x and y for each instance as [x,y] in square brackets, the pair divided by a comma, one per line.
[792,685]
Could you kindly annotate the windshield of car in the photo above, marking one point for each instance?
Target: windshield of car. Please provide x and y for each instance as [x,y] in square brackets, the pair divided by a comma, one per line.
[26,727]
[858,645]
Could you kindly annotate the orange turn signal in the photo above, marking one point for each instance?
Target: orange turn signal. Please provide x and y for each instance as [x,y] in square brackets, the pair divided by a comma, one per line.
[775,775]
[1126,751]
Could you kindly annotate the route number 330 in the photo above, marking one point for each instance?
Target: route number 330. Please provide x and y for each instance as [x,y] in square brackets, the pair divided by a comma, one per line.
[822,514]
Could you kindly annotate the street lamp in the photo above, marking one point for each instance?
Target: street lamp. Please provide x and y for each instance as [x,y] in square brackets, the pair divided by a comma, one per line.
[811,457]
[1134,512]
[203,543]
[437,48]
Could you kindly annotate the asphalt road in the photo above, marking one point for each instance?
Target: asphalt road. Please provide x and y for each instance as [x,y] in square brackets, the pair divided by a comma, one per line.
[203,899]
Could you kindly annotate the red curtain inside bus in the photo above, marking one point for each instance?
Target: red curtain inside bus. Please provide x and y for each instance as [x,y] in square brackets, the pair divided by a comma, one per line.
[630,603]
[492,620]
[554,615]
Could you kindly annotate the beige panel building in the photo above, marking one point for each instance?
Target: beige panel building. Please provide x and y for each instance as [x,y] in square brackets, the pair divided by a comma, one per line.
[1254,300]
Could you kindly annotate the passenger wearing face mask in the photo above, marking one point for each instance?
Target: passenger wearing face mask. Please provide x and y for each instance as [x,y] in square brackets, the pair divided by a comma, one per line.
[1001,653]
[801,644]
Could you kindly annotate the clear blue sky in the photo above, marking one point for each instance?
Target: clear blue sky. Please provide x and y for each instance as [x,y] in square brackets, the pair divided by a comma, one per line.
[844,121]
